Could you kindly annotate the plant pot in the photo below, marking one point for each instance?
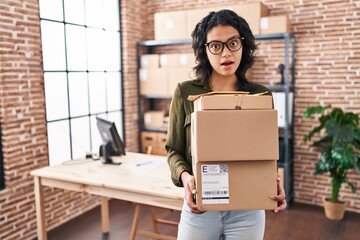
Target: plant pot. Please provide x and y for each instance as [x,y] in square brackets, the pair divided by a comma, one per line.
[334,211]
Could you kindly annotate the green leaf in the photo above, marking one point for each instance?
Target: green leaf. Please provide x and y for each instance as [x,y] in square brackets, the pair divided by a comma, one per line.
[353,188]
[357,167]
[339,148]
[337,115]
[323,143]
[357,138]
[312,132]
[314,110]
[325,164]
[345,158]
[340,133]
[351,119]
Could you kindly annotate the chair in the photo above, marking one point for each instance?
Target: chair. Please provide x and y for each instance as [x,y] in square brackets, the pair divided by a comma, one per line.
[155,221]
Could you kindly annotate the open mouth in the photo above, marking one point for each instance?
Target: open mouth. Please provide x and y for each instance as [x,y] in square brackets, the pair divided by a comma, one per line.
[227,63]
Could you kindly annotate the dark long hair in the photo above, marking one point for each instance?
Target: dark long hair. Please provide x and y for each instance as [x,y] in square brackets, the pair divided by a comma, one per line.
[203,68]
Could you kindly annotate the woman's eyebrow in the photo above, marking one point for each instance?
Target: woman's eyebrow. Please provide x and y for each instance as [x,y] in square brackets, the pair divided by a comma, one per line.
[226,40]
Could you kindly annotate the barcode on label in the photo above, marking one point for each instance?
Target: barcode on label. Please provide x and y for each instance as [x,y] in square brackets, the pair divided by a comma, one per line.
[215,192]
[224,168]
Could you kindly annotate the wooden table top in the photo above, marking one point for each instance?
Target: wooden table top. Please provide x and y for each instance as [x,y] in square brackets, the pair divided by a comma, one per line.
[138,173]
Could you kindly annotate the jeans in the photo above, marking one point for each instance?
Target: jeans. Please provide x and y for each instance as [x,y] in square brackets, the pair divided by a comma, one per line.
[226,225]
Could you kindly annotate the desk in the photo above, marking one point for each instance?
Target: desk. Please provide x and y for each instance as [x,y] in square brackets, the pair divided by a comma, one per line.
[148,184]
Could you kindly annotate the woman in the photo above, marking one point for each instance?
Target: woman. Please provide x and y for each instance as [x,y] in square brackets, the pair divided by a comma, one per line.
[224,48]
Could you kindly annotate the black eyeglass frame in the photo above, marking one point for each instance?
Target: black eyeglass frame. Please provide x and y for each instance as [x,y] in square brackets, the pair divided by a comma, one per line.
[225,44]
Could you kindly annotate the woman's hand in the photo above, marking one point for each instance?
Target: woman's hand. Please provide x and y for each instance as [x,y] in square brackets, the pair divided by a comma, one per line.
[280,198]
[188,181]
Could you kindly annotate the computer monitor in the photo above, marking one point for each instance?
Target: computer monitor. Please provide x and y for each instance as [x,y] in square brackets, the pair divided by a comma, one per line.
[112,143]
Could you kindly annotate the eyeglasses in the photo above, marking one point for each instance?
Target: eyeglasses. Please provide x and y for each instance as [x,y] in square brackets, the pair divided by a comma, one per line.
[233,44]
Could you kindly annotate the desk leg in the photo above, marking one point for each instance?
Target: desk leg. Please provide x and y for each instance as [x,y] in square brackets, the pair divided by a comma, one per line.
[105,214]
[40,211]
[135,221]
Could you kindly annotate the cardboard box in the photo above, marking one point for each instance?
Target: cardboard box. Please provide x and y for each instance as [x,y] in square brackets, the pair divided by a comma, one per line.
[235,152]
[282,175]
[150,61]
[275,24]
[161,141]
[153,143]
[169,60]
[148,141]
[230,101]
[170,25]
[153,81]
[154,119]
[235,185]
[234,135]
[194,16]
[187,60]
[177,75]
[177,60]
[252,13]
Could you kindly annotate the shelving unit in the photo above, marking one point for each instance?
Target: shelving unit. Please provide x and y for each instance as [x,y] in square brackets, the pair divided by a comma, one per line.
[286,133]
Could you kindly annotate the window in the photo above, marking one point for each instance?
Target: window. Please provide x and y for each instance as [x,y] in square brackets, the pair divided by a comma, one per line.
[82,73]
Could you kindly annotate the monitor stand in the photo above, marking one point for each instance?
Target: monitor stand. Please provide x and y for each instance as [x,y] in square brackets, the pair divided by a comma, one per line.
[105,150]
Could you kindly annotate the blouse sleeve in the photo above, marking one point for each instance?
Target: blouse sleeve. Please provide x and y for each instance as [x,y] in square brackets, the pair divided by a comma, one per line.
[176,138]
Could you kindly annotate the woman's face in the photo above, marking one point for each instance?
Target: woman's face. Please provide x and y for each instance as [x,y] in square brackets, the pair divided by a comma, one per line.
[225,63]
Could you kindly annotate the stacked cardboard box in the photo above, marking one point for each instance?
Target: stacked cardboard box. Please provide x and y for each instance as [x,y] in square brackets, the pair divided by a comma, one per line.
[234,149]
[180,24]
[153,143]
[160,73]
[170,25]
[275,24]
[155,119]
[252,13]
[194,16]
[179,67]
[152,77]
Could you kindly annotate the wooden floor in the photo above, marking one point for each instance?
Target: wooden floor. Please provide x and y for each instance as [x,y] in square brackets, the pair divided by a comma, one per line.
[300,221]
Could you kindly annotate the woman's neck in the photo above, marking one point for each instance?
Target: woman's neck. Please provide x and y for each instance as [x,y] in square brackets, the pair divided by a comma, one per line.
[223,83]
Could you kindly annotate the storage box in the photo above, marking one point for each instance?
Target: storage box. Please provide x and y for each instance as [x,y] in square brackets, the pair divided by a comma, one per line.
[153,81]
[148,141]
[195,15]
[187,60]
[149,61]
[177,75]
[161,141]
[177,60]
[154,119]
[170,25]
[230,101]
[252,12]
[235,185]
[275,24]
[234,135]
[153,143]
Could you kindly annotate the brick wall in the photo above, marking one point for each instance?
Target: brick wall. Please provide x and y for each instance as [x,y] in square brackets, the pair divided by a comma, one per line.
[132,25]
[327,72]
[23,123]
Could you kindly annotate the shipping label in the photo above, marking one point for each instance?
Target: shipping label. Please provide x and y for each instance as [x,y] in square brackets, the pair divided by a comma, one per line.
[215,183]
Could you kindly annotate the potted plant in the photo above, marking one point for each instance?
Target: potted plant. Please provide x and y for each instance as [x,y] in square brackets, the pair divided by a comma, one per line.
[339,151]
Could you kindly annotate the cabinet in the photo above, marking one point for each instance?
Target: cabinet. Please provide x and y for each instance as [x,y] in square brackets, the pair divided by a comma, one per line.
[283,100]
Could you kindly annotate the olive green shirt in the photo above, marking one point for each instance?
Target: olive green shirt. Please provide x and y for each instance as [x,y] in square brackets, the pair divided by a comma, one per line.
[178,141]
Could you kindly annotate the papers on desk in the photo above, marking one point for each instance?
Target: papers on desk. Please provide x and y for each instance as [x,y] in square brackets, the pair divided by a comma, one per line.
[149,164]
